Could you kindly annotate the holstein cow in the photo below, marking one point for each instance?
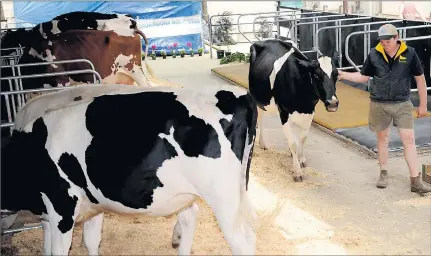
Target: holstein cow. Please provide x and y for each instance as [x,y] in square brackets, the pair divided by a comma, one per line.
[279,73]
[77,163]
[121,24]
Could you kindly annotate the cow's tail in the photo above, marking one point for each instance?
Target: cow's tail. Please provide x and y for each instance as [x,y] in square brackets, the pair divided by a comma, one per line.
[246,212]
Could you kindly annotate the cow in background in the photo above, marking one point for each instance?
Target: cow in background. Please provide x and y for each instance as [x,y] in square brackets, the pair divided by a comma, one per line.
[87,164]
[280,74]
[110,41]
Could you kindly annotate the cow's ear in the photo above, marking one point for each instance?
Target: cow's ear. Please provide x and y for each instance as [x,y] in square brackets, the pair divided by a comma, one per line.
[312,65]
[334,59]
[303,63]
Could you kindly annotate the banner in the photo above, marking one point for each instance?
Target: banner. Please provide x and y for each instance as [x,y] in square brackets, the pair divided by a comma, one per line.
[164,23]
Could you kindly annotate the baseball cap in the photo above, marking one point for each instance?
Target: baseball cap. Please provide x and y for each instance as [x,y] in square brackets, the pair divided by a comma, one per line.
[387,31]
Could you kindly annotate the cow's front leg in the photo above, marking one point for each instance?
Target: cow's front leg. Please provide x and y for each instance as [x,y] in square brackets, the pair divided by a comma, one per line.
[260,114]
[92,234]
[292,132]
[301,154]
[184,230]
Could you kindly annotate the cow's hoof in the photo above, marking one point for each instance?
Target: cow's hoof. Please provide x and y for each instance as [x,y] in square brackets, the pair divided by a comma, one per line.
[297,178]
[176,241]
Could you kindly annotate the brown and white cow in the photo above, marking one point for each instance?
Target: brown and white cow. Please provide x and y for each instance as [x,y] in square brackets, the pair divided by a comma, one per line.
[106,50]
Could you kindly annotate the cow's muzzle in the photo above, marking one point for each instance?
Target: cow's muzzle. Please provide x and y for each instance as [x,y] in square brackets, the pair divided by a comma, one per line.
[332,104]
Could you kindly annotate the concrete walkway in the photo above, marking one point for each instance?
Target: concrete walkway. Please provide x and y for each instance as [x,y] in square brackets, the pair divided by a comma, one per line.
[371,220]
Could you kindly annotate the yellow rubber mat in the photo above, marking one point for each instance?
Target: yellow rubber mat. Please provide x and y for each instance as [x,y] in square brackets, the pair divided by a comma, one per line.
[352,111]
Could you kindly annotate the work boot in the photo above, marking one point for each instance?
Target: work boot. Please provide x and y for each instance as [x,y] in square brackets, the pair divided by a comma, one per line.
[383,179]
[418,186]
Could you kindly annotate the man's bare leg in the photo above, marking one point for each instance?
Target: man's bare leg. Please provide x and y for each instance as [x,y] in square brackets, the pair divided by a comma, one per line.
[410,155]
[382,151]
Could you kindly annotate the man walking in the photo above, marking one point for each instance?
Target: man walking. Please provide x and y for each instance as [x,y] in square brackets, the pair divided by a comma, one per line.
[392,64]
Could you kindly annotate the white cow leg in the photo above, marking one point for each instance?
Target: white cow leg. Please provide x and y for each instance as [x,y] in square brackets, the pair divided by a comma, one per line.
[306,121]
[184,230]
[46,237]
[301,154]
[292,132]
[92,234]
[60,242]
[230,214]
[262,142]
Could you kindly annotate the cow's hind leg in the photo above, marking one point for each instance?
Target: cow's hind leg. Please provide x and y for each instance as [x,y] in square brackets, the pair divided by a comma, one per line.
[233,213]
[262,142]
[46,236]
[61,222]
[184,230]
[92,234]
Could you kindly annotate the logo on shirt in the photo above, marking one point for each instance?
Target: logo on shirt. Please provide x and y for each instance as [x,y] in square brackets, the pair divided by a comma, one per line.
[403,59]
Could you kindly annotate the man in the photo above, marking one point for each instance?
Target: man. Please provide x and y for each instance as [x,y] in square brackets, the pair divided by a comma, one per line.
[391,64]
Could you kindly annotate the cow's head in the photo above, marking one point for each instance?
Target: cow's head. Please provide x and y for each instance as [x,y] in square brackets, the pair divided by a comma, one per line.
[324,74]
[18,38]
[278,69]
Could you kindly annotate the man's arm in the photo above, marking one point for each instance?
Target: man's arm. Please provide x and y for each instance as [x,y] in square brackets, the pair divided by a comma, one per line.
[422,91]
[356,77]
[418,72]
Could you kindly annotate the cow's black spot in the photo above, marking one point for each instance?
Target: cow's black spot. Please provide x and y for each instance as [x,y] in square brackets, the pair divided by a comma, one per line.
[123,157]
[71,167]
[78,98]
[28,171]
[107,40]
[243,109]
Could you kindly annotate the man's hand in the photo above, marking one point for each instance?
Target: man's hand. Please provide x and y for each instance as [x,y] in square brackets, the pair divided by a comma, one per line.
[421,111]
[341,75]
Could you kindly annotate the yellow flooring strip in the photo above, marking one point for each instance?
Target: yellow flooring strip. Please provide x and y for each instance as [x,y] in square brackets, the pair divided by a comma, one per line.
[352,111]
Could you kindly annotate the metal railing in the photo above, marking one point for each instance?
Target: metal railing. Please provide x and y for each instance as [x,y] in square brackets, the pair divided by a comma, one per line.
[372,31]
[339,27]
[19,90]
[315,25]
[314,18]
[292,13]
[366,51]
[278,20]
[210,24]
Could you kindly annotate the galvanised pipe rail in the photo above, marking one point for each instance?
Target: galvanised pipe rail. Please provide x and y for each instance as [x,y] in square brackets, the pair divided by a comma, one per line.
[340,58]
[210,25]
[284,15]
[315,18]
[346,46]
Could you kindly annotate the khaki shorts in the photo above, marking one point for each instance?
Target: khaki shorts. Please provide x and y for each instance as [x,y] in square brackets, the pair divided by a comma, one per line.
[382,114]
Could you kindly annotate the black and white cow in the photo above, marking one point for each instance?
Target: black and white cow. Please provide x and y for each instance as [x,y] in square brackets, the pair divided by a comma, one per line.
[68,162]
[280,74]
